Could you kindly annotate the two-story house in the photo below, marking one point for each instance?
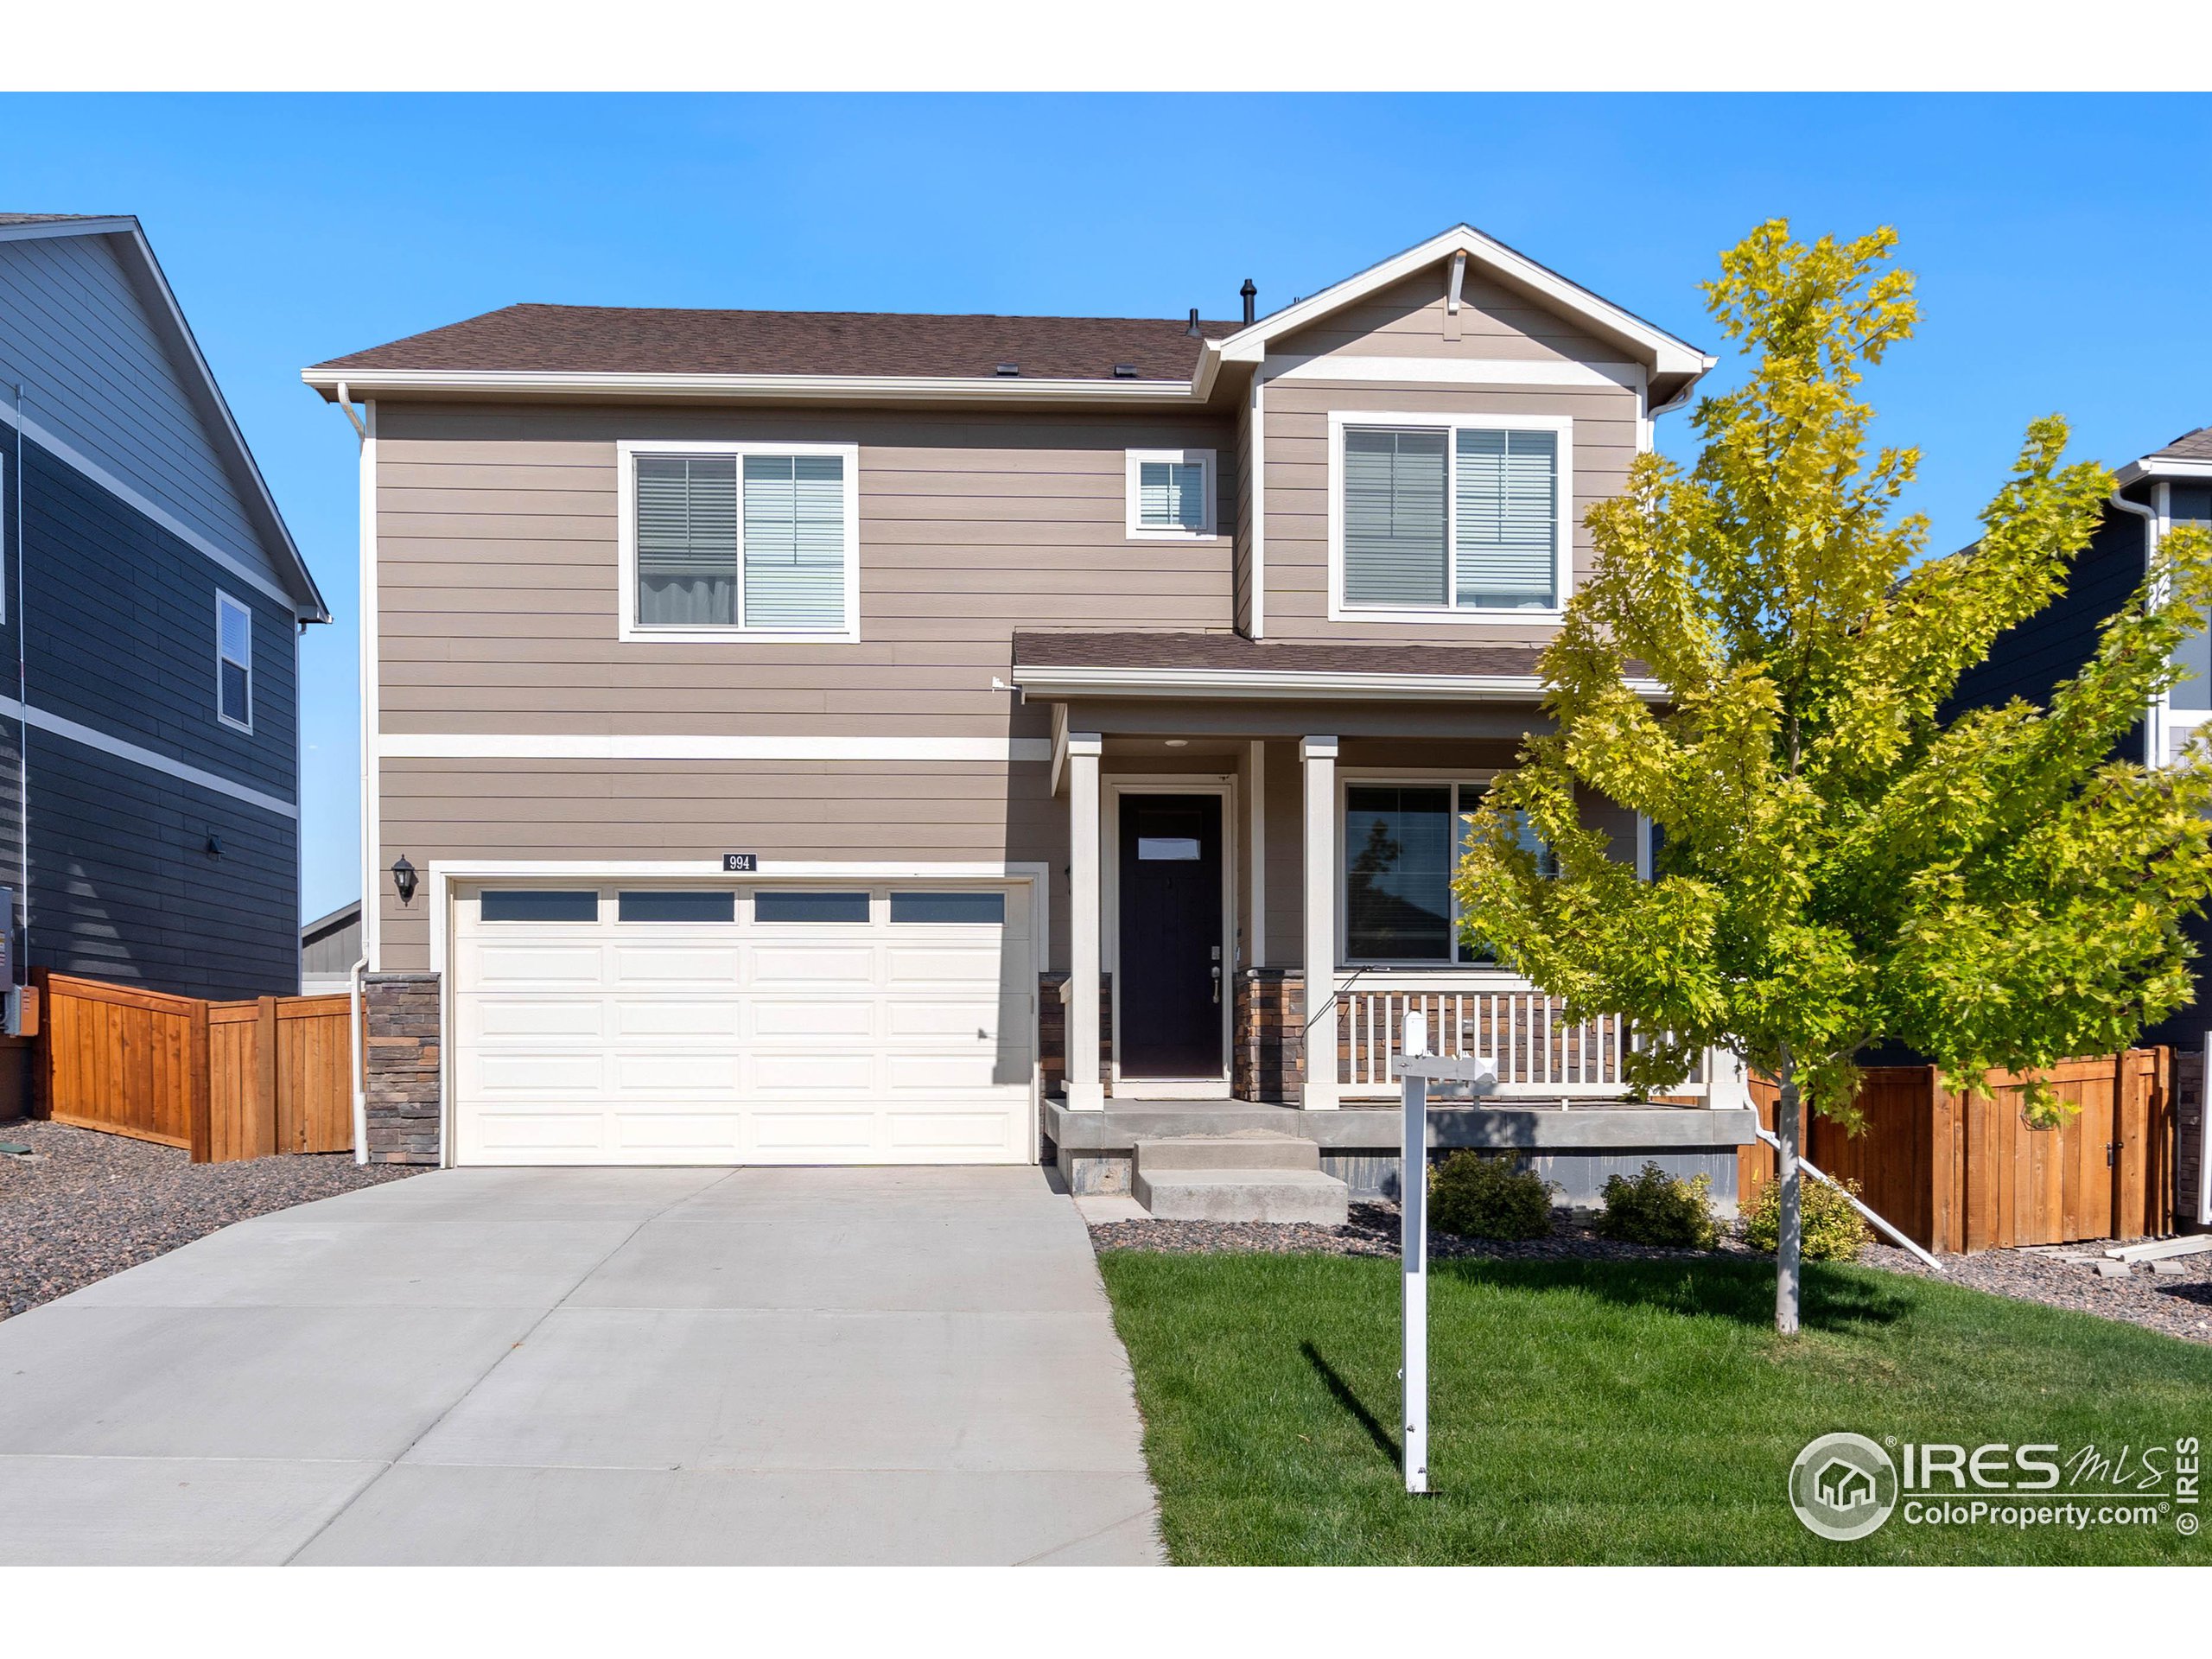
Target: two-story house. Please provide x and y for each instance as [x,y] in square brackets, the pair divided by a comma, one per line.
[152,605]
[791,736]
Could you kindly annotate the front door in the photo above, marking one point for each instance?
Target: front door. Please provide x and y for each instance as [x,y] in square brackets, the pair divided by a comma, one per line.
[1171,979]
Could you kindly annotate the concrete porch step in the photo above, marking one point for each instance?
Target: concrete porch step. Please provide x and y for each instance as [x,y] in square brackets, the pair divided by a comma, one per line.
[1233,1194]
[1257,1149]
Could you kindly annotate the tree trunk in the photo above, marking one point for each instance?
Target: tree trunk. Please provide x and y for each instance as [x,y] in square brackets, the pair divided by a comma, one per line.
[1788,1124]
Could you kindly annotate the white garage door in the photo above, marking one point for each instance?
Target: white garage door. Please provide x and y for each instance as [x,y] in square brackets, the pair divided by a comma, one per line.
[833,1023]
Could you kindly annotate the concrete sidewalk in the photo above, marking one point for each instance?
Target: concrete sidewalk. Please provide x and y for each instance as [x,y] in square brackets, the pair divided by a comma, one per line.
[754,1366]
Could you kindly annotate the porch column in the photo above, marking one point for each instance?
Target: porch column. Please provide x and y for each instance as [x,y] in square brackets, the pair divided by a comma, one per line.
[1319,755]
[1083,1091]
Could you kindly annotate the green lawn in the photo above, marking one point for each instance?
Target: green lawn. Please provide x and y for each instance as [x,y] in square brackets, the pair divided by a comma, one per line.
[1585,1412]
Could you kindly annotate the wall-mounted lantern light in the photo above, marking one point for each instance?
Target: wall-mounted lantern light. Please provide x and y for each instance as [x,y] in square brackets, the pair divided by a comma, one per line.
[402,879]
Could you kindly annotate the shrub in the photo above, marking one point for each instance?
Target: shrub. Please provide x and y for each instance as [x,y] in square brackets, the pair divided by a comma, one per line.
[1484,1197]
[1657,1208]
[1834,1230]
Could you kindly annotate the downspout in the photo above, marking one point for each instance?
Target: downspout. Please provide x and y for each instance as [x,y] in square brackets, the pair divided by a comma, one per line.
[2154,723]
[355,995]
[21,973]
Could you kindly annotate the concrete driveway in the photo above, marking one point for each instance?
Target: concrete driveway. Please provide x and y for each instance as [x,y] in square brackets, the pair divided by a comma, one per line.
[580,1366]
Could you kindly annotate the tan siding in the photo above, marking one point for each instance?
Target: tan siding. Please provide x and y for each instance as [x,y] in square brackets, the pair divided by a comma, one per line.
[498,571]
[620,810]
[1297,476]
[1409,319]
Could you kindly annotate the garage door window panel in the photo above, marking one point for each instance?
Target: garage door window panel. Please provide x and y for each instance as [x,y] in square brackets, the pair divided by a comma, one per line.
[830,909]
[540,905]
[661,905]
[939,909]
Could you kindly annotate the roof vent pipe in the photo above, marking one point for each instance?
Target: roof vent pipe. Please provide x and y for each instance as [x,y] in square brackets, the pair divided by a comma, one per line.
[1250,293]
[1192,331]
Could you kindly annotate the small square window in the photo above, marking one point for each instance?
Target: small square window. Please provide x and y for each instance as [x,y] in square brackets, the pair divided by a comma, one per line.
[233,663]
[665,905]
[546,905]
[1170,493]
[983,909]
[771,905]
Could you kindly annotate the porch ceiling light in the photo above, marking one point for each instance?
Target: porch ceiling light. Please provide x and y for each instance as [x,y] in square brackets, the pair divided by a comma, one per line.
[1178,742]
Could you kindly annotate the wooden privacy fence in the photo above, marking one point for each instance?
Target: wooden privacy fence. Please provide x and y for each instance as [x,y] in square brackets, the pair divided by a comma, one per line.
[227,1080]
[1960,1172]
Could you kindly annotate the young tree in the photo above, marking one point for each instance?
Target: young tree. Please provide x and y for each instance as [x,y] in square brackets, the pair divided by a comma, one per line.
[1838,865]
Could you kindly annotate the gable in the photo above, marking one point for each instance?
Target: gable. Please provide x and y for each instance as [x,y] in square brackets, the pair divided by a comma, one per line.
[79,332]
[1412,318]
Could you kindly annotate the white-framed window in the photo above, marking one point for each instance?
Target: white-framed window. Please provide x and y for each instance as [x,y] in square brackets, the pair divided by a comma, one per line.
[233,663]
[1402,839]
[1441,518]
[758,542]
[1170,493]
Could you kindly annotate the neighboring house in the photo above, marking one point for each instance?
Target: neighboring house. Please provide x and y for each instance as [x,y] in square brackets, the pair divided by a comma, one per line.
[152,600]
[769,704]
[329,946]
[2168,487]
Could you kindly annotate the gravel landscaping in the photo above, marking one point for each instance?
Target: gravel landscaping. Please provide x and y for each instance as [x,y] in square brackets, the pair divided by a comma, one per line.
[2178,1302]
[86,1204]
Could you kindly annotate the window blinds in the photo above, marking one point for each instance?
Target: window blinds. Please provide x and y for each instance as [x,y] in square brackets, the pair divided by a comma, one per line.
[1394,517]
[1171,495]
[687,541]
[795,542]
[759,544]
[1507,523]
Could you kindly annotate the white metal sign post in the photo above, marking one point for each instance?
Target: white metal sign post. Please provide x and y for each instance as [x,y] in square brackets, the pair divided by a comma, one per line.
[1416,1068]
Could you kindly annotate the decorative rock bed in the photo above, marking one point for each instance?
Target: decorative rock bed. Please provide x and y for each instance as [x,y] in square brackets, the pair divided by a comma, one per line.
[85,1204]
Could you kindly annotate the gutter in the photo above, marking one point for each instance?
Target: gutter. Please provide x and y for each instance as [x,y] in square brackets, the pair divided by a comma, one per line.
[787,388]
[1055,683]
[2154,716]
[357,994]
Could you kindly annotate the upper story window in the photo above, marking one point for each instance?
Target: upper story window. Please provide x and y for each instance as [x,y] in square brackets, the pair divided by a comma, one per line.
[1443,517]
[1170,492]
[740,540]
[233,663]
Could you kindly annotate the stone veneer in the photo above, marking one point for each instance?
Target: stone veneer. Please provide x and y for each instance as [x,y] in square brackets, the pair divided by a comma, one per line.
[2188,1138]
[1052,1031]
[1268,1037]
[403,1094]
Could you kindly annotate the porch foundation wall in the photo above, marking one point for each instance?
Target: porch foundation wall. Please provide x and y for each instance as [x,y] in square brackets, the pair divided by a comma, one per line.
[405,1095]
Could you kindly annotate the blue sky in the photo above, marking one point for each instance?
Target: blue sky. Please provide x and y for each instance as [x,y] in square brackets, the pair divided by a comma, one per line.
[2060,269]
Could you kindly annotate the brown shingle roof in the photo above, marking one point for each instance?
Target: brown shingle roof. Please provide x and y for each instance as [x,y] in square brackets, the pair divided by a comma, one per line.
[620,339]
[2190,446]
[1035,649]
[52,219]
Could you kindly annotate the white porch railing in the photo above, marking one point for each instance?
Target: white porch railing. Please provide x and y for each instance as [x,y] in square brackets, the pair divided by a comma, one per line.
[1538,1053]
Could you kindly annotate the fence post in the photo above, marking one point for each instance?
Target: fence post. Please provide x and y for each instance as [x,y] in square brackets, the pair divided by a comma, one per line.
[40,1104]
[266,1118]
[203,1128]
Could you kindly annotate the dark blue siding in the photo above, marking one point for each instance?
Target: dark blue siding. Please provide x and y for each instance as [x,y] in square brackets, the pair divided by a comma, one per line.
[121,638]
[2029,661]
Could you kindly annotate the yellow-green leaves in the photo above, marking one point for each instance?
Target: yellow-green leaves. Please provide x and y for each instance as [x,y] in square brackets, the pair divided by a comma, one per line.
[1843,858]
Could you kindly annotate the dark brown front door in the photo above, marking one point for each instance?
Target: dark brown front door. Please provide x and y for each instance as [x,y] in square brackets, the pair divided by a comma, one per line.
[1171,979]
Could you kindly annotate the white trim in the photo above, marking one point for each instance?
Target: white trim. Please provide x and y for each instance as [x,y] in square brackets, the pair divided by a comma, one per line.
[1255,942]
[1457,282]
[1347,370]
[778,388]
[1137,532]
[1452,613]
[1222,787]
[77,462]
[606,746]
[443,873]
[1667,354]
[1256,464]
[371,644]
[626,450]
[113,225]
[1322,822]
[1047,681]
[1079,1058]
[123,749]
[224,604]
[2151,467]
